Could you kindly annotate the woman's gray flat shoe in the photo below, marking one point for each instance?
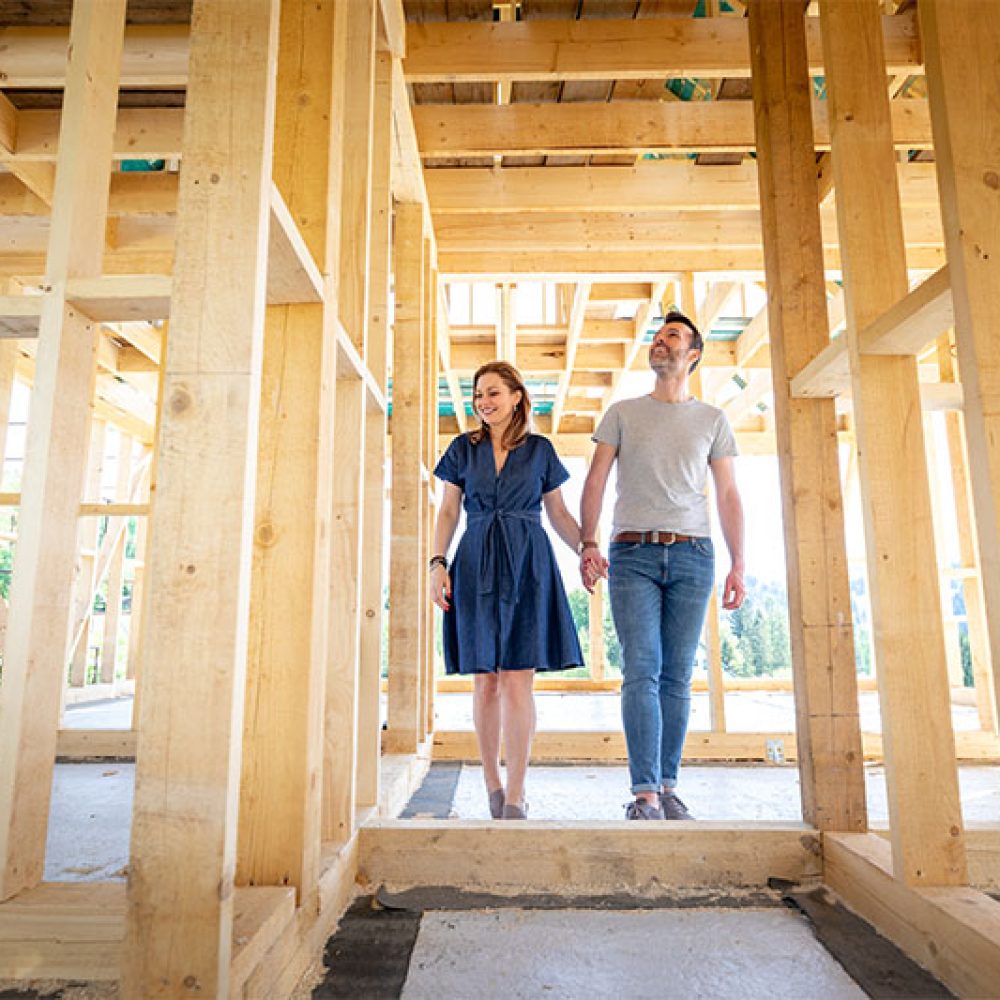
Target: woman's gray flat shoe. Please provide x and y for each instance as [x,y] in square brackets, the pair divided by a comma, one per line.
[515,812]
[496,804]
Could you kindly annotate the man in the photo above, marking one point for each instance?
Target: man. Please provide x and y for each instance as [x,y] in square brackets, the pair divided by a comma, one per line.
[662,566]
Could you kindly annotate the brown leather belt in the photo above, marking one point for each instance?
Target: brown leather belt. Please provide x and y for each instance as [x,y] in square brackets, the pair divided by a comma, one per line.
[652,537]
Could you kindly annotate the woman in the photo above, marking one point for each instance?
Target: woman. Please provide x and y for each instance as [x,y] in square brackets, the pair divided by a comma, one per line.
[506,613]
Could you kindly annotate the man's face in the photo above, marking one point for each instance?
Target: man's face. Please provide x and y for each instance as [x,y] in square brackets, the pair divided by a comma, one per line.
[670,349]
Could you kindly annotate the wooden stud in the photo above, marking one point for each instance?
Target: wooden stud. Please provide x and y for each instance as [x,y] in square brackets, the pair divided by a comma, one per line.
[116,574]
[55,450]
[921,778]
[85,584]
[355,211]
[958,40]
[280,802]
[183,848]
[339,769]
[968,550]
[406,586]
[819,608]
[376,427]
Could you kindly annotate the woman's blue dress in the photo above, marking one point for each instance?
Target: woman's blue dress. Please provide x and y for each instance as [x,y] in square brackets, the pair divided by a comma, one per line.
[508,607]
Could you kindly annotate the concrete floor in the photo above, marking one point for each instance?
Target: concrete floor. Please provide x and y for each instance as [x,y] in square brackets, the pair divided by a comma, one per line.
[767,954]
[90,817]
[92,803]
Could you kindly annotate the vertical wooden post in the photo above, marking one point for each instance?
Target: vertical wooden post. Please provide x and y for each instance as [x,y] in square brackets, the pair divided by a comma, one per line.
[340,765]
[355,207]
[713,646]
[407,578]
[138,592]
[116,572]
[55,452]
[86,564]
[819,601]
[595,631]
[373,520]
[183,854]
[430,454]
[936,481]
[8,362]
[280,800]
[960,40]
[921,777]
[968,551]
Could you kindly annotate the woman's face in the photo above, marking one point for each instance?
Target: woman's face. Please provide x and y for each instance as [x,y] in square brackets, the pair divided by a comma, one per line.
[493,401]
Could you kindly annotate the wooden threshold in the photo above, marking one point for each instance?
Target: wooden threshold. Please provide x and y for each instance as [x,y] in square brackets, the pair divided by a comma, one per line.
[642,859]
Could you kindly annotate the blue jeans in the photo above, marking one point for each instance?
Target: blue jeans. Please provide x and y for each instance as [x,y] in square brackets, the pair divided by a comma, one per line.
[659,594]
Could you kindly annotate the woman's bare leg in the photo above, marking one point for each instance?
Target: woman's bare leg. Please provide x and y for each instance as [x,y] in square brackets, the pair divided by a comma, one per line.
[486,719]
[517,700]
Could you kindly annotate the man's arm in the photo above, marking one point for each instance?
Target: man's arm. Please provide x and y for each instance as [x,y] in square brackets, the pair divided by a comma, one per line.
[592,563]
[727,499]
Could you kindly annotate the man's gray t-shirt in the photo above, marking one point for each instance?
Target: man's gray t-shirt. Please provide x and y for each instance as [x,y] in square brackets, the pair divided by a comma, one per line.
[663,453]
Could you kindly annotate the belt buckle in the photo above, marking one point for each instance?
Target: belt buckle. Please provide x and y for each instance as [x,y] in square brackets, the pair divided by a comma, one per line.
[665,537]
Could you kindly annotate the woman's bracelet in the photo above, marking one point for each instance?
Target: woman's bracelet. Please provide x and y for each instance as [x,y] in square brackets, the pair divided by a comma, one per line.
[438,561]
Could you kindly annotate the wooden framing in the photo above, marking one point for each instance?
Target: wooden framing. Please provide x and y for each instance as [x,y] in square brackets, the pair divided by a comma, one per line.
[819,606]
[959,37]
[359,144]
[279,837]
[212,390]
[406,622]
[924,809]
[64,377]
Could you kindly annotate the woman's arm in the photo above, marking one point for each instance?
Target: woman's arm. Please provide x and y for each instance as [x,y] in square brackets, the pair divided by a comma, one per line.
[561,519]
[444,530]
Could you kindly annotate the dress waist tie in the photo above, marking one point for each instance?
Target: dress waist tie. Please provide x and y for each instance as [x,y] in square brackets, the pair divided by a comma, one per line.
[499,567]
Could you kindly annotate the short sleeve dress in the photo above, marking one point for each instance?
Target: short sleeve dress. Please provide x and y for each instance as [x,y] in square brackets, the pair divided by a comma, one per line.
[508,609]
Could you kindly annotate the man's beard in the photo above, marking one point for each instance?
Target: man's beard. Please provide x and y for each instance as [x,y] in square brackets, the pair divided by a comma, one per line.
[666,360]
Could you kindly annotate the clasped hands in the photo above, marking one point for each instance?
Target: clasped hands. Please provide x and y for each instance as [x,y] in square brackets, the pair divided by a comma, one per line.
[593,567]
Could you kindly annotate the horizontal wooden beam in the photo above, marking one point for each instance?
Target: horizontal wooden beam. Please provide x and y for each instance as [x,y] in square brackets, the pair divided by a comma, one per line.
[20,315]
[156,56]
[915,321]
[602,745]
[688,230]
[121,298]
[578,860]
[153,56]
[648,186]
[908,327]
[952,932]
[632,265]
[619,49]
[447,130]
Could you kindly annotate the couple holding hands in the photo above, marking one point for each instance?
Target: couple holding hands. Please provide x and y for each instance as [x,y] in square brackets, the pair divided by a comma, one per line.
[505,609]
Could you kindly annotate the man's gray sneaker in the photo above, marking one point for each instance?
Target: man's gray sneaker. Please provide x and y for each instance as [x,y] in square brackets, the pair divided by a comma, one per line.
[641,809]
[671,807]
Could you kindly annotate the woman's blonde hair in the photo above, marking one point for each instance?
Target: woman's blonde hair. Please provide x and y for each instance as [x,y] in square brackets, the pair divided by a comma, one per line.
[520,421]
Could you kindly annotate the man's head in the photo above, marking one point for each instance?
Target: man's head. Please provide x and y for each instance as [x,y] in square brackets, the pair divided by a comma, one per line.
[677,344]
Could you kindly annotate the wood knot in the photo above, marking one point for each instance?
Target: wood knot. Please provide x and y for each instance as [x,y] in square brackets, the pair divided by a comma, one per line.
[180,400]
[265,534]
[991,179]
